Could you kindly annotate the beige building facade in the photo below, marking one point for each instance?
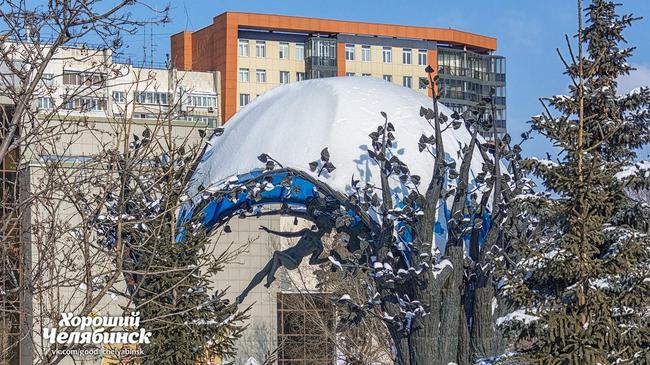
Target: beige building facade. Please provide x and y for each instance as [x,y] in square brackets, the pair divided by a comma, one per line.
[84,107]
[266,64]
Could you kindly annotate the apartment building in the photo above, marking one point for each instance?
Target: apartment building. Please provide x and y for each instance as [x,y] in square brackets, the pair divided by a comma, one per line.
[257,52]
[87,96]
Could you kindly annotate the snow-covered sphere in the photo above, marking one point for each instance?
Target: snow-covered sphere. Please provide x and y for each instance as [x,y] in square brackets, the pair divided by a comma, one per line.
[293,123]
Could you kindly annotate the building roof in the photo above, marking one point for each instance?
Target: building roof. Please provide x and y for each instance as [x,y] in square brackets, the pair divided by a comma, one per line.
[314,25]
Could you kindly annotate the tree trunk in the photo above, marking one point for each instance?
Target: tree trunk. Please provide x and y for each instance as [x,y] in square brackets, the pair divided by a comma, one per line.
[484,340]
[424,338]
[451,308]
[463,340]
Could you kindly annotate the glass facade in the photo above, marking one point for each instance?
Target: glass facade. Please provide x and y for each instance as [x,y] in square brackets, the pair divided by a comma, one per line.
[466,77]
[321,58]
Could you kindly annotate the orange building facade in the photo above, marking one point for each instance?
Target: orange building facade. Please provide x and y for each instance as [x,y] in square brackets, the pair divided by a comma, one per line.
[256,52]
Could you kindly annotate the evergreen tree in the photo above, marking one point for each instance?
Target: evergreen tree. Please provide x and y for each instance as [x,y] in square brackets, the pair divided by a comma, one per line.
[168,280]
[582,279]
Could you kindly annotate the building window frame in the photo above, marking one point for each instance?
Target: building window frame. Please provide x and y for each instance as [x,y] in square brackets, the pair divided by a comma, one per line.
[407,81]
[78,78]
[260,76]
[387,54]
[423,83]
[366,53]
[244,99]
[119,96]
[422,57]
[349,52]
[244,48]
[48,79]
[300,76]
[45,102]
[300,51]
[151,97]
[85,104]
[284,77]
[283,50]
[202,100]
[305,318]
[260,49]
[244,75]
[407,56]
[388,78]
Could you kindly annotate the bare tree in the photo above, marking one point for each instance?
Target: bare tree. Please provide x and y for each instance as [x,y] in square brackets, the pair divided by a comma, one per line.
[354,340]
[72,158]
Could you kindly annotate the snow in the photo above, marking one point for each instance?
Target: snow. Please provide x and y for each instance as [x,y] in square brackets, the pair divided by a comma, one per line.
[335,262]
[438,268]
[602,283]
[545,162]
[634,169]
[294,122]
[251,361]
[495,359]
[345,298]
[518,315]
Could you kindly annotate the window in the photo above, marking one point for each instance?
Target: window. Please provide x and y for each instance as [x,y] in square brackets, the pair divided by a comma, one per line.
[260,76]
[96,79]
[423,83]
[244,99]
[349,52]
[284,51]
[45,102]
[244,75]
[92,104]
[300,51]
[406,56]
[202,101]
[284,77]
[388,78]
[451,63]
[349,74]
[407,81]
[365,53]
[87,79]
[260,49]
[69,105]
[422,57]
[243,47]
[387,54]
[151,97]
[300,76]
[48,79]
[199,118]
[364,74]
[119,96]
[305,329]
[71,78]
[85,104]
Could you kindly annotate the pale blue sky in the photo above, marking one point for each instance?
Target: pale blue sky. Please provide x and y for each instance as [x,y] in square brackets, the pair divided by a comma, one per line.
[528,32]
